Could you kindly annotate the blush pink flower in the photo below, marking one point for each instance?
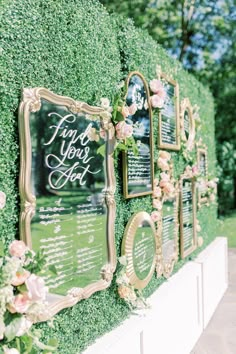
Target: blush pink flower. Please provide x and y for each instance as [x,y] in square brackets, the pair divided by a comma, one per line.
[168,189]
[36,288]
[123,130]
[20,277]
[132,109]
[156,216]
[157,204]
[157,192]
[165,155]
[195,170]
[17,248]
[125,112]
[156,101]
[165,177]
[163,164]
[211,184]
[157,88]
[20,304]
[124,291]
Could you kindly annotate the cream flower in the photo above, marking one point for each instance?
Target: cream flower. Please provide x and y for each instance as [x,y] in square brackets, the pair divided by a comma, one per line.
[125,111]
[17,328]
[36,288]
[164,155]
[156,216]
[2,328]
[20,304]
[20,277]
[124,291]
[123,130]
[157,204]
[156,101]
[157,192]
[93,135]
[165,177]
[2,199]
[18,249]
[105,103]
[163,164]
[132,109]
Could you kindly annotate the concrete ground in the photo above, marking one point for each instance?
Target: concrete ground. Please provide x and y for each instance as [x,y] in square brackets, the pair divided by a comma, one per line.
[220,335]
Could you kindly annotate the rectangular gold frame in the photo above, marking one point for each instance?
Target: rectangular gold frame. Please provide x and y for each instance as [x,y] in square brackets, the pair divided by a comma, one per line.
[31,102]
[185,253]
[124,154]
[202,151]
[161,145]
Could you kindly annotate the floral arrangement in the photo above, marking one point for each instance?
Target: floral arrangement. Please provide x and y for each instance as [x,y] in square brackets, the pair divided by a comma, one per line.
[191,171]
[208,188]
[22,301]
[159,93]
[133,297]
[165,187]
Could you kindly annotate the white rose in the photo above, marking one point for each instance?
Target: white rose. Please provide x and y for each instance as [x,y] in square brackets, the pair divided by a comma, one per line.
[11,351]
[17,328]
[2,199]
[36,288]
[105,103]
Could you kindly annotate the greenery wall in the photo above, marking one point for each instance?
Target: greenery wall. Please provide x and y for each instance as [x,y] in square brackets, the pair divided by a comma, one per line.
[75,49]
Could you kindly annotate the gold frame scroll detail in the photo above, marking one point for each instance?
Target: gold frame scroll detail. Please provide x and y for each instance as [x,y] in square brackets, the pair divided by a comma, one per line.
[161,144]
[184,253]
[127,248]
[124,154]
[186,106]
[31,102]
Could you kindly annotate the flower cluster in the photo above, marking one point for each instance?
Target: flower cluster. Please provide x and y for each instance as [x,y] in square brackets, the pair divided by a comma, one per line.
[208,188]
[159,94]
[191,171]
[126,291]
[163,188]
[22,298]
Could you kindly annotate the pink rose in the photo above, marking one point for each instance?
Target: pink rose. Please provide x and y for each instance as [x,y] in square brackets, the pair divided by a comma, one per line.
[20,304]
[195,170]
[163,164]
[168,188]
[164,155]
[125,111]
[211,184]
[157,192]
[17,248]
[36,288]
[123,130]
[132,109]
[156,101]
[165,177]
[20,277]
[157,204]
[156,216]
[157,88]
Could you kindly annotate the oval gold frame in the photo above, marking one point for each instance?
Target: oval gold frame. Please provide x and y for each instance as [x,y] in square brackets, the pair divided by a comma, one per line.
[124,154]
[127,248]
[31,102]
[186,106]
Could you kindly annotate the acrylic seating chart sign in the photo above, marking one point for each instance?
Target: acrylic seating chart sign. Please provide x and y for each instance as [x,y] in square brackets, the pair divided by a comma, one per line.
[138,169]
[169,116]
[187,123]
[169,229]
[66,188]
[188,237]
[139,247]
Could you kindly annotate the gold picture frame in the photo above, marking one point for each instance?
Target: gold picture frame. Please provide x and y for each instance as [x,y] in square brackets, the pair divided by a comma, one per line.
[202,151]
[133,249]
[32,102]
[125,162]
[161,143]
[185,106]
[165,266]
[192,243]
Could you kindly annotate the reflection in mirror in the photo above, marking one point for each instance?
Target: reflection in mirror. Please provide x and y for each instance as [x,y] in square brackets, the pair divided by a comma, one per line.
[63,186]
[169,116]
[138,169]
[187,217]
[187,123]
[139,246]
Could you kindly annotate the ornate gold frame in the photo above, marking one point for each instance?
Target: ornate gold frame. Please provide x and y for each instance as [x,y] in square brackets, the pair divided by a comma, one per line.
[127,248]
[162,145]
[124,155]
[31,102]
[185,253]
[185,105]
[202,151]
[163,267]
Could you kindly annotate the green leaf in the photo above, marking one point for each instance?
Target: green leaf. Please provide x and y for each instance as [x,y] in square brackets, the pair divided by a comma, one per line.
[52,269]
[101,150]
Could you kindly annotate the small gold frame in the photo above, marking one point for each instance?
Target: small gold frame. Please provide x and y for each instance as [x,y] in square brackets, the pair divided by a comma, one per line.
[31,102]
[161,144]
[127,248]
[124,154]
[183,252]
[202,151]
[164,267]
[186,106]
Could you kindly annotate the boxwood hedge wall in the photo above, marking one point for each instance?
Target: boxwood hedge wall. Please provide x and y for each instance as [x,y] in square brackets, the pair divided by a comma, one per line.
[75,48]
